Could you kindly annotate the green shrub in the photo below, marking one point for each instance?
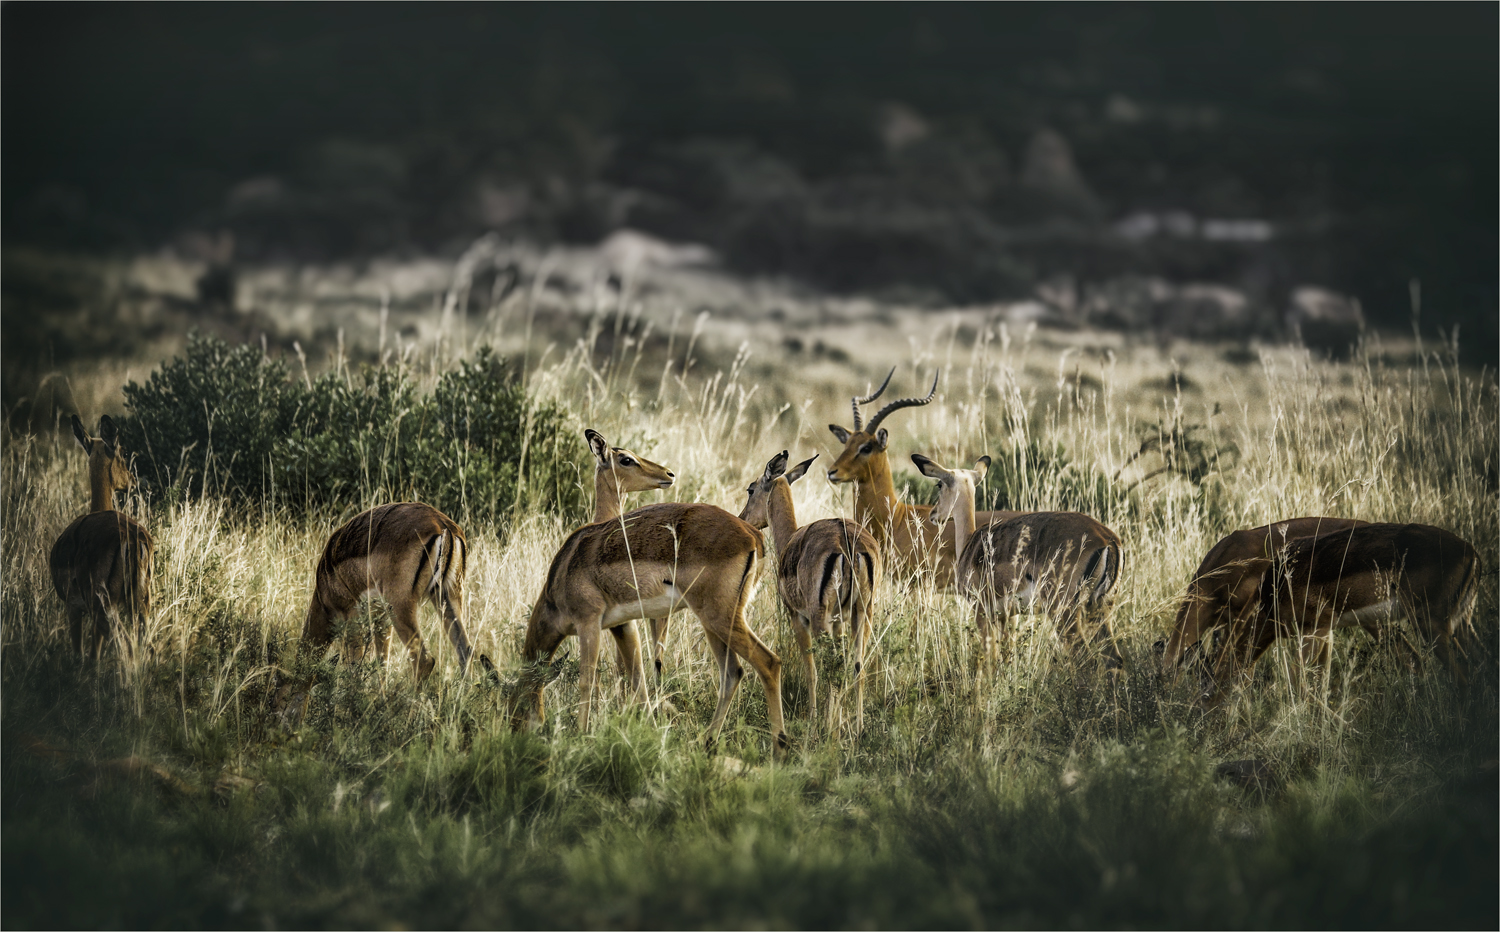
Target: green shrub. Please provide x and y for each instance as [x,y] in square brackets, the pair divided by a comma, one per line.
[230,421]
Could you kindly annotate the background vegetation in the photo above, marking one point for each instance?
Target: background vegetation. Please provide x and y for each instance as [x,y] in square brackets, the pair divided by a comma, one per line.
[165,789]
[232,422]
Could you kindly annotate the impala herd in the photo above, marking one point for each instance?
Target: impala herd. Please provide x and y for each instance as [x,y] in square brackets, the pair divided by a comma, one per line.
[1300,578]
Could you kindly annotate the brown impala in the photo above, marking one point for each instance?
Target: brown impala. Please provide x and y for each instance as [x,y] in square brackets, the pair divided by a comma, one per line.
[1372,576]
[908,539]
[618,472]
[407,553]
[826,572]
[1062,561]
[101,563]
[1227,581]
[647,564]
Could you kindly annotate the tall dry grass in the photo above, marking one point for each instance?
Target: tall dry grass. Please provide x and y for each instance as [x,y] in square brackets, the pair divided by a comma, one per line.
[1372,439]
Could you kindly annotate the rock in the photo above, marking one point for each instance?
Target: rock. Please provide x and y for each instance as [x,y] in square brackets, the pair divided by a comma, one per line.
[1324,321]
[627,251]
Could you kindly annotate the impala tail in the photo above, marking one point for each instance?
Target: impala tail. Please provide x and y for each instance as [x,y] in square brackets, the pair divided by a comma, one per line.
[1103,567]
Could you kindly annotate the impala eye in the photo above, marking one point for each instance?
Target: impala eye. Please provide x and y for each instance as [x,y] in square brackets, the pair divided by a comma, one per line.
[864,449]
[626,461]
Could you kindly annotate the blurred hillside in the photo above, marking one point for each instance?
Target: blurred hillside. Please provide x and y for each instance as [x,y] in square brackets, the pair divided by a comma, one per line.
[918,154]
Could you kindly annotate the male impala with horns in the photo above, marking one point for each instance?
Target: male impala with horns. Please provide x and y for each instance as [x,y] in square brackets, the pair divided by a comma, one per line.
[909,541]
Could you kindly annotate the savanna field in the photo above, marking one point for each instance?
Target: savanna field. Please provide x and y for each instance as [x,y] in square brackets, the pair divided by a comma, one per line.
[169,787]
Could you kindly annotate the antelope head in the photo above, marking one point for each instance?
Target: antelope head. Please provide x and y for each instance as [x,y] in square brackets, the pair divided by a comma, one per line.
[955,486]
[757,511]
[863,458]
[108,471]
[631,473]
[525,695]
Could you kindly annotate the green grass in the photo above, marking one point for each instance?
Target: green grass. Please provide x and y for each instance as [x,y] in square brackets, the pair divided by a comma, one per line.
[1046,796]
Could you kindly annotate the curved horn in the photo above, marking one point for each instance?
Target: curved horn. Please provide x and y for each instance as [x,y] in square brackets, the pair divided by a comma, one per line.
[900,403]
[869,398]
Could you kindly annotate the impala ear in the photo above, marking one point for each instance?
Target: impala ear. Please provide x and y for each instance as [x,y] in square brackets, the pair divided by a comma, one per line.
[82,435]
[800,470]
[838,432]
[928,468]
[775,466]
[882,438]
[598,444]
[981,466]
[108,432]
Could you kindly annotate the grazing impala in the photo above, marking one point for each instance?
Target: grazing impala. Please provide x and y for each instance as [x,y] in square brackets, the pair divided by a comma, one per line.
[101,563]
[406,553]
[1062,561]
[903,530]
[618,472]
[826,571]
[650,562]
[1227,580]
[1371,576]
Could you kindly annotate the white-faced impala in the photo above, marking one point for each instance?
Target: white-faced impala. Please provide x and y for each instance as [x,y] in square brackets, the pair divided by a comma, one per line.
[1063,562]
[1228,579]
[618,472]
[650,562]
[826,574]
[101,563]
[407,553]
[1372,576]
[907,539]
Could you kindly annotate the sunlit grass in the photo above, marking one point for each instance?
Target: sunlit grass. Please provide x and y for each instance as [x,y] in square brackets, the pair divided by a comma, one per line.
[1044,795]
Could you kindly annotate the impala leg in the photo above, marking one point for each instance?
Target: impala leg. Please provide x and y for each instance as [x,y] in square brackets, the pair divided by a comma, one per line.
[1104,640]
[588,669]
[658,643]
[1316,653]
[1447,650]
[986,638]
[628,645]
[768,666]
[383,644]
[404,619]
[101,611]
[803,632]
[450,605]
[76,614]
[730,673]
[861,625]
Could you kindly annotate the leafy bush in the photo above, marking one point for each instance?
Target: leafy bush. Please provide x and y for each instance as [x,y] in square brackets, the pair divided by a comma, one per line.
[230,421]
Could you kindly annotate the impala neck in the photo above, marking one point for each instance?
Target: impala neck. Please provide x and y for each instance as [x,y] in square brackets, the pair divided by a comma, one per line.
[963,517]
[606,496]
[783,514]
[875,504]
[101,493]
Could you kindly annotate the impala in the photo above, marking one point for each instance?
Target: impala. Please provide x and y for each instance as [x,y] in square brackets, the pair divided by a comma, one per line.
[618,472]
[1063,562]
[1226,581]
[1371,576]
[649,563]
[905,534]
[101,563]
[826,572]
[406,553]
